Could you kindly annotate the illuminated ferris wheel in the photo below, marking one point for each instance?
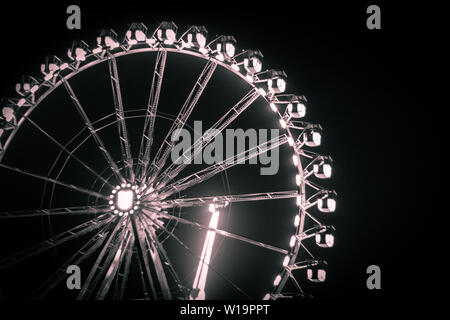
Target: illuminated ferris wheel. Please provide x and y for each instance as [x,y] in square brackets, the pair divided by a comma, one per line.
[137,212]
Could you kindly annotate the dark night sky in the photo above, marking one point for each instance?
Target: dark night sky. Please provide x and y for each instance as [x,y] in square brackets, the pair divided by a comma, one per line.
[365,90]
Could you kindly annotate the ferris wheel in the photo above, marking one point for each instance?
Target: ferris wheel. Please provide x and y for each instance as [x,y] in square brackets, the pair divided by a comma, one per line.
[136,208]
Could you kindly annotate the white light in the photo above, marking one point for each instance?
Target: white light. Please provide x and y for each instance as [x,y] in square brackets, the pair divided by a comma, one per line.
[230,49]
[111,202]
[283,123]
[277,280]
[80,54]
[235,66]
[220,57]
[295,160]
[298,179]
[120,214]
[296,220]
[212,208]
[317,138]
[290,141]
[321,275]
[281,84]
[125,199]
[116,211]
[201,39]
[292,241]
[299,201]
[322,172]
[286,261]
[262,92]
[273,106]
[330,205]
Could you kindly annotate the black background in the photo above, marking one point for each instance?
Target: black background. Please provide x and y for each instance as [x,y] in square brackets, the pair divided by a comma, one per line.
[369,90]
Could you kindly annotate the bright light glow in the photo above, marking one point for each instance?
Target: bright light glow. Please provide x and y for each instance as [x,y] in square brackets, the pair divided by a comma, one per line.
[298,179]
[202,270]
[262,92]
[274,107]
[323,171]
[299,201]
[235,66]
[125,199]
[286,261]
[281,84]
[296,220]
[316,275]
[230,49]
[283,123]
[326,205]
[295,160]
[317,138]
[277,280]
[80,54]
[267,296]
[292,241]
[290,141]
[201,39]
[212,208]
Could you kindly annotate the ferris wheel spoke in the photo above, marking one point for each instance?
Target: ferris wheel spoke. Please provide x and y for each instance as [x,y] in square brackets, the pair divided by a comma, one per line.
[70,154]
[167,145]
[113,269]
[150,116]
[202,201]
[196,148]
[54,212]
[144,260]
[71,234]
[200,259]
[58,182]
[107,243]
[223,233]
[93,131]
[85,252]
[126,269]
[150,240]
[121,123]
[214,169]
[163,254]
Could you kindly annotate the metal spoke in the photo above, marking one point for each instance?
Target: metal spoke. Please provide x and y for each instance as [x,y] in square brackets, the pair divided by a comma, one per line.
[121,124]
[202,201]
[73,233]
[196,148]
[168,143]
[151,241]
[64,184]
[86,289]
[214,169]
[89,248]
[222,232]
[71,154]
[126,268]
[171,234]
[152,106]
[92,131]
[114,266]
[54,212]
[163,254]
[143,258]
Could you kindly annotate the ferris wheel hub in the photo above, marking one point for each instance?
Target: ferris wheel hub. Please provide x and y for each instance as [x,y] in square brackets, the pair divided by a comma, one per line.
[125,199]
